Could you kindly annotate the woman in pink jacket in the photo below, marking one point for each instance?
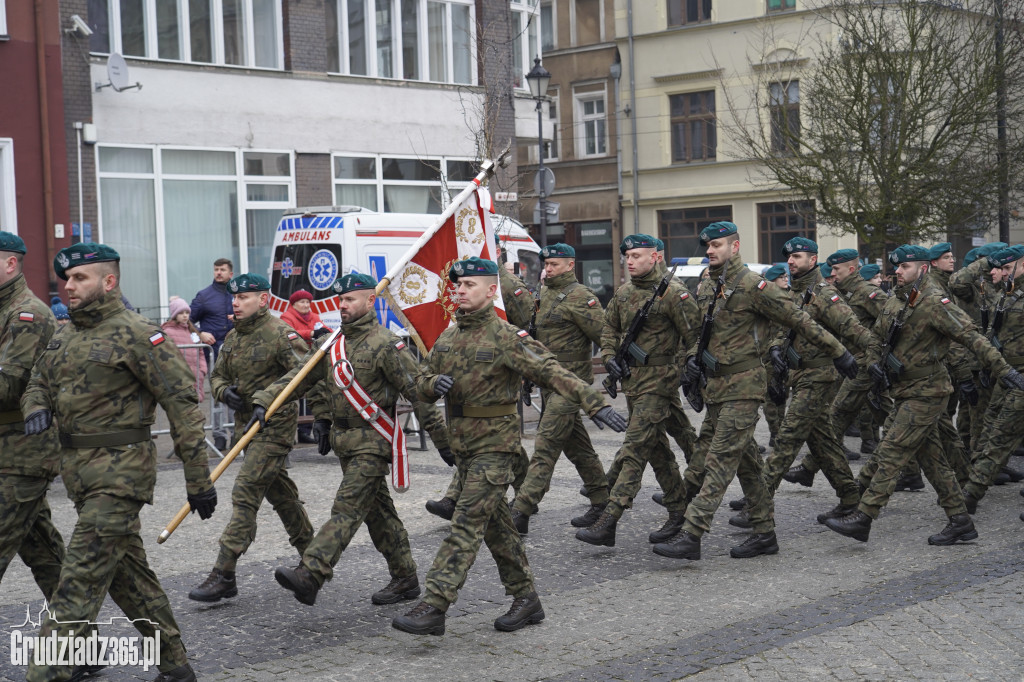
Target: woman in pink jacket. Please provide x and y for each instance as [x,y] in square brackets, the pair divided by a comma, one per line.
[181,331]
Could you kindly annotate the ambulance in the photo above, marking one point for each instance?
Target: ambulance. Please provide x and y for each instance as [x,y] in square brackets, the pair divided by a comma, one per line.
[315,246]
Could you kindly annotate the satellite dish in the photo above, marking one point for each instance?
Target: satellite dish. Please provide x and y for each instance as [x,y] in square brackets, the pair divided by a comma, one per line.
[117,72]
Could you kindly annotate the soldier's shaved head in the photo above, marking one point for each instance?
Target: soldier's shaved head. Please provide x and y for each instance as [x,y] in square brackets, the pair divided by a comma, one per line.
[10,265]
[90,282]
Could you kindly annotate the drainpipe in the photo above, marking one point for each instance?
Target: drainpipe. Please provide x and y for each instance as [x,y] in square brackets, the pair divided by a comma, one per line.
[632,104]
[44,139]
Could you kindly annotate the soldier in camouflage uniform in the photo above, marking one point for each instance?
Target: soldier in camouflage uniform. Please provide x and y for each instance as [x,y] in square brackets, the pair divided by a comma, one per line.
[920,390]
[569,319]
[256,352]
[27,463]
[735,389]
[478,367]
[384,368]
[99,380]
[773,413]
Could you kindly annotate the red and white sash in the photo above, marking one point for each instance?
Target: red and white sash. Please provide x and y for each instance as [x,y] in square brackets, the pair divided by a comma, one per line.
[382,423]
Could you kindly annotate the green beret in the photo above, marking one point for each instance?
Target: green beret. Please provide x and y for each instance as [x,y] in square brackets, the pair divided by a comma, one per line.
[936,251]
[660,244]
[723,228]
[869,271]
[12,242]
[82,254]
[250,281]
[908,253]
[1006,256]
[990,248]
[354,281]
[472,267]
[557,251]
[971,256]
[801,244]
[842,256]
[826,270]
[774,272]
[638,241]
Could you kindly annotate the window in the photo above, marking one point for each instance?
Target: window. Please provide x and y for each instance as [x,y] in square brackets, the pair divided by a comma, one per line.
[591,132]
[408,39]
[8,208]
[680,228]
[236,32]
[682,12]
[3,18]
[525,39]
[399,185]
[548,30]
[588,16]
[784,112]
[551,148]
[780,5]
[694,136]
[778,223]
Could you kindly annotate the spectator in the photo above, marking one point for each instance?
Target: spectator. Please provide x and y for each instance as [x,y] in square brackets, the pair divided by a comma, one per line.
[212,313]
[60,311]
[181,330]
[300,316]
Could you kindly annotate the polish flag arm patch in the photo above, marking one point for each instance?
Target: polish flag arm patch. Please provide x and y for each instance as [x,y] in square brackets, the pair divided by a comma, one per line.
[944,300]
[835,297]
[292,336]
[157,339]
[873,294]
[522,332]
[400,345]
[518,291]
[685,295]
[762,284]
[591,303]
[26,317]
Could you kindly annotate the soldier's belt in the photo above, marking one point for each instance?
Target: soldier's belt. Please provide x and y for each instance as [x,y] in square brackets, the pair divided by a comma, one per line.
[816,363]
[574,356]
[482,411]
[653,361]
[737,367]
[921,372]
[11,417]
[105,440]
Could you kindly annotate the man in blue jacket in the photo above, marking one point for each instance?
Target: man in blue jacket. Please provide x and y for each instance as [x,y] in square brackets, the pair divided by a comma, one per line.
[212,314]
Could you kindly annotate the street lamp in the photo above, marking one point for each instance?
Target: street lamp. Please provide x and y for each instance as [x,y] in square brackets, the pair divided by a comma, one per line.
[538,80]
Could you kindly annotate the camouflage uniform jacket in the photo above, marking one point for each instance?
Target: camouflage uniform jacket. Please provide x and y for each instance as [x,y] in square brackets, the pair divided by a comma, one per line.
[973,287]
[740,335]
[864,298]
[487,357]
[1011,330]
[928,328]
[570,318]
[518,299]
[255,353]
[672,326]
[384,367]
[26,325]
[829,310]
[105,372]
[958,361]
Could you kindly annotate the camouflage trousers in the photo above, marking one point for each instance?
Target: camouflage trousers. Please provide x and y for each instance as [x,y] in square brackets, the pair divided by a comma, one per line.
[481,515]
[977,427]
[910,433]
[106,554]
[646,442]
[1005,434]
[997,395]
[847,401]
[560,430]
[26,530]
[263,476]
[773,414]
[362,497]
[679,429]
[808,419]
[726,449]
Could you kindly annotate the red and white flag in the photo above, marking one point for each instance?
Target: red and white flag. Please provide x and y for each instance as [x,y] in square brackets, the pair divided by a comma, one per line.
[422,290]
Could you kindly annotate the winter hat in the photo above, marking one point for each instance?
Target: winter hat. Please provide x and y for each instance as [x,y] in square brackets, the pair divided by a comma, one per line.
[300,295]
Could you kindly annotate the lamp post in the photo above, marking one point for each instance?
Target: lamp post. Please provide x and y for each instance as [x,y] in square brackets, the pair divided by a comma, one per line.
[538,80]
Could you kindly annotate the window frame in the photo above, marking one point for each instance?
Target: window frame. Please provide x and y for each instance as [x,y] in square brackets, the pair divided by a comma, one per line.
[786,6]
[788,111]
[682,12]
[3,19]
[524,14]
[795,209]
[580,120]
[552,148]
[8,189]
[449,189]
[665,223]
[553,4]
[710,118]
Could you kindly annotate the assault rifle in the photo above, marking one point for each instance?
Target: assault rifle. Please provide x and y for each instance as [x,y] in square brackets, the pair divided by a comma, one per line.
[777,385]
[892,368]
[531,329]
[629,349]
[983,305]
[692,390]
[1000,314]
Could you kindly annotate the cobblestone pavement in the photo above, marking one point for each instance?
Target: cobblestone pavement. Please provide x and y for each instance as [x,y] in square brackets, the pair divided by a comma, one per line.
[825,607]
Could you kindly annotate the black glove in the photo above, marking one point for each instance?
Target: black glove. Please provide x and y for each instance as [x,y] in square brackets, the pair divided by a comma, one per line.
[259,414]
[204,503]
[969,392]
[985,378]
[614,369]
[846,365]
[779,363]
[607,416]
[692,370]
[231,398]
[320,331]
[446,456]
[442,385]
[321,431]
[37,422]
[1013,379]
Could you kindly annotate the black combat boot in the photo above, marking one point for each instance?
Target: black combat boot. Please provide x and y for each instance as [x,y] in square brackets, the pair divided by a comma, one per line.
[659,498]
[971,502]
[218,585]
[1002,478]
[601,533]
[761,449]
[590,516]
[799,474]
[741,520]
[910,482]
[756,545]
[959,528]
[81,672]
[771,442]
[525,610]
[183,673]
[399,589]
[738,505]
[424,619]
[856,525]
[868,447]
[851,455]
[1015,476]
[852,432]
[673,525]
[838,511]
[683,546]
[521,521]
[300,581]
[445,508]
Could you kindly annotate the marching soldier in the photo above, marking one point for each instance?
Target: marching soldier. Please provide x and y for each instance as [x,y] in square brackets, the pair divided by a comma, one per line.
[735,389]
[255,353]
[920,387]
[773,413]
[27,463]
[477,366]
[355,415]
[89,374]
[569,320]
